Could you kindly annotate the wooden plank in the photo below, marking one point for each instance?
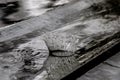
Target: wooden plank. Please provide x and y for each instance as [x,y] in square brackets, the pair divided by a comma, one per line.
[36,26]
[71,64]
[96,35]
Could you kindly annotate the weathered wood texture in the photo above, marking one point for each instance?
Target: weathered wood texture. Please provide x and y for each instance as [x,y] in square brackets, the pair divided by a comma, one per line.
[60,66]
[36,26]
[95,35]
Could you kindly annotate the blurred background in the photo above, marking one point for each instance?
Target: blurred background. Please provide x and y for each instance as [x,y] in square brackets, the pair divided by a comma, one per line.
[12,11]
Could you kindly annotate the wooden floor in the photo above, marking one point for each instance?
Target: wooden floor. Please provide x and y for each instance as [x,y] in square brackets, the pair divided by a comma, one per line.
[105,35]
